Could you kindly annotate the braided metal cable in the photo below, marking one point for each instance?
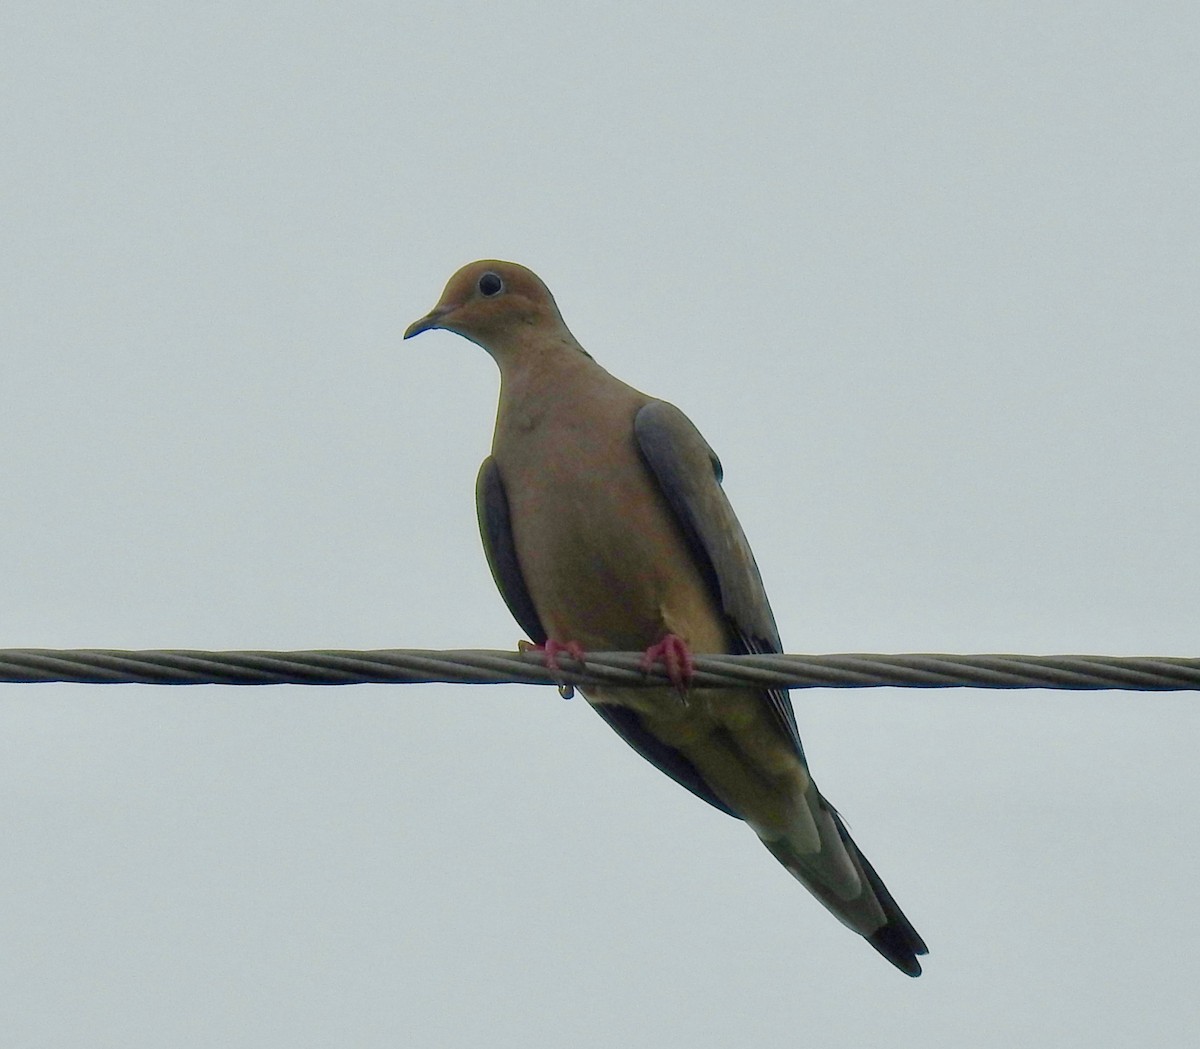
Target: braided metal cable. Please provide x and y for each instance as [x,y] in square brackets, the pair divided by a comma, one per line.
[398,666]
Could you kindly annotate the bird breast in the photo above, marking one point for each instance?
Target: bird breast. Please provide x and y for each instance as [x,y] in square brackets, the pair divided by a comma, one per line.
[598,546]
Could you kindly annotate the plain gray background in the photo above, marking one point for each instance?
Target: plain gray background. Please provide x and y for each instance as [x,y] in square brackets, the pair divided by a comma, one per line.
[924,274]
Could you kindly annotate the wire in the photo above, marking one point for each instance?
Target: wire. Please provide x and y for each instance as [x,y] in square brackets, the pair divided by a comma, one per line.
[400,666]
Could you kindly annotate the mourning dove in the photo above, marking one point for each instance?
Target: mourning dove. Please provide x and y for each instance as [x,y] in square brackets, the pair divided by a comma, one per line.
[606,528]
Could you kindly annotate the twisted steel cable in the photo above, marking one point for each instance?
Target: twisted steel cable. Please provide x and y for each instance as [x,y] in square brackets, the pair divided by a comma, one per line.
[407,666]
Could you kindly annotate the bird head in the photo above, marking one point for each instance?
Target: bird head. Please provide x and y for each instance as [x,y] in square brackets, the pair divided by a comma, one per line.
[493,304]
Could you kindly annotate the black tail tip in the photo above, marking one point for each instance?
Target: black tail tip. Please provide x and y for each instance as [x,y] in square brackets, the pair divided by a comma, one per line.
[900,945]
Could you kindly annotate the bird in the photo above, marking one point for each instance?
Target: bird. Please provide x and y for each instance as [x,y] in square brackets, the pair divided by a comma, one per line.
[606,528]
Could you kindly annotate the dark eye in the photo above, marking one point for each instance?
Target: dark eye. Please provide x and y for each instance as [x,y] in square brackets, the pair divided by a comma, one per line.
[490,284]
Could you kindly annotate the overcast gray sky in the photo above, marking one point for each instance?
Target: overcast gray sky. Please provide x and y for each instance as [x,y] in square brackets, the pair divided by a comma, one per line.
[925,276]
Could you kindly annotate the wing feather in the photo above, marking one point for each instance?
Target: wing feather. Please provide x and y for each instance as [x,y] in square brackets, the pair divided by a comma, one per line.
[689,474]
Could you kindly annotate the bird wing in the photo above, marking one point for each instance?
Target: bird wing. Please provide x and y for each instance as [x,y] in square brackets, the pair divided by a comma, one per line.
[689,474]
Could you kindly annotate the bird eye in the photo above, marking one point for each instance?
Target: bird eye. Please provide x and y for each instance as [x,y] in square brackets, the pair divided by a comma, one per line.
[490,285]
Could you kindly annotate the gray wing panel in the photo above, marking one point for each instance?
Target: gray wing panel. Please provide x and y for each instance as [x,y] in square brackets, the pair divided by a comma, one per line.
[689,476]
[495,528]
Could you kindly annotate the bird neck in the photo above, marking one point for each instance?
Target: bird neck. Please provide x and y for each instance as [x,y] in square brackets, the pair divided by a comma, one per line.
[545,379]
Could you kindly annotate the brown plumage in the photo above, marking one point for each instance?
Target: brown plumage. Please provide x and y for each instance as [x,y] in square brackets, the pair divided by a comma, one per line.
[605,524]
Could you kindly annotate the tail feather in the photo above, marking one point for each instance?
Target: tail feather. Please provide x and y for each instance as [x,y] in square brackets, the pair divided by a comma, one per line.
[872,912]
[897,940]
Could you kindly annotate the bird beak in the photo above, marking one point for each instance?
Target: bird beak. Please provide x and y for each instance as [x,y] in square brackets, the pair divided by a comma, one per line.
[432,319]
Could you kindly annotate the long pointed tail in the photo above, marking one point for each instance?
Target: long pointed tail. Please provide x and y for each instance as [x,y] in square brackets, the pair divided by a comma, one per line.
[871,911]
[896,940]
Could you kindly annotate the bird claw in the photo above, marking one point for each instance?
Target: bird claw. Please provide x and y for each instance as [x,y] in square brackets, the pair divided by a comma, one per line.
[676,657]
[550,653]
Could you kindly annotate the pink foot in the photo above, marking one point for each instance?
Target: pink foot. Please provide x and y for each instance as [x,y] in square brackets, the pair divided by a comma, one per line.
[550,653]
[673,652]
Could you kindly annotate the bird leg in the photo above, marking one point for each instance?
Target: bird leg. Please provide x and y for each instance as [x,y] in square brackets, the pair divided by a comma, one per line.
[673,652]
[550,653]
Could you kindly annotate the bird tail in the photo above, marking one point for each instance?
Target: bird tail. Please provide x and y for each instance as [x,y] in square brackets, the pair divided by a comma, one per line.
[863,902]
